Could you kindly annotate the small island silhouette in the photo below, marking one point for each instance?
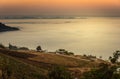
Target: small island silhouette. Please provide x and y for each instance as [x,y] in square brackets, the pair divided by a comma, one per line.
[4,28]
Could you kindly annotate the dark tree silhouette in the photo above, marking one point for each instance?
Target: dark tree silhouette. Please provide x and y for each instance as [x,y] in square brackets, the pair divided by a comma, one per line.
[38,48]
[115,57]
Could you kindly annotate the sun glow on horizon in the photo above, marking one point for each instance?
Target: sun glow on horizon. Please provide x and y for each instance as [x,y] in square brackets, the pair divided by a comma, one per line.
[57,5]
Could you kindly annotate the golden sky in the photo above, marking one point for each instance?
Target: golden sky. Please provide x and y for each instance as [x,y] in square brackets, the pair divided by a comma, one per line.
[62,2]
[56,5]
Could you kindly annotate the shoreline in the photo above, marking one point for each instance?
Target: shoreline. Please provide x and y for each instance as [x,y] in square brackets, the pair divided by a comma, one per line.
[5,28]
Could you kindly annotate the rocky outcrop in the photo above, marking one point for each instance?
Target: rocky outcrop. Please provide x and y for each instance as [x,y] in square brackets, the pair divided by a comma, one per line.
[4,28]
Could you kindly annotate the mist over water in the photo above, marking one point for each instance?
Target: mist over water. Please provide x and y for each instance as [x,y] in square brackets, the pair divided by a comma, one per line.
[98,36]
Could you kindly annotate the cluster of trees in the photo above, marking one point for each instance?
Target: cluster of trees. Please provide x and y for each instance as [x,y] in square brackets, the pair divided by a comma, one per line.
[38,49]
[13,47]
[105,71]
[89,56]
[64,52]
[115,57]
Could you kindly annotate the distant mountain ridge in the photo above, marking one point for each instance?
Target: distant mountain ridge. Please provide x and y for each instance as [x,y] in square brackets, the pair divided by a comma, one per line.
[4,28]
[37,17]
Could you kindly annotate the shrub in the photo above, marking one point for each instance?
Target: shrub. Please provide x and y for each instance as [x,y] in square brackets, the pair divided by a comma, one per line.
[13,47]
[23,48]
[105,71]
[39,48]
[2,46]
[64,52]
[59,73]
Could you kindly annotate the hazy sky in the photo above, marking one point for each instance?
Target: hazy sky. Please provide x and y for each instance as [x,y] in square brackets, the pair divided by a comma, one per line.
[51,7]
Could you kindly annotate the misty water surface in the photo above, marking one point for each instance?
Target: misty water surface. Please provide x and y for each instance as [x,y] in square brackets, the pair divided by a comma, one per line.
[96,36]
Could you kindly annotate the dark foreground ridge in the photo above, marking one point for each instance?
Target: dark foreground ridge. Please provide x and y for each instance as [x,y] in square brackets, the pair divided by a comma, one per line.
[4,28]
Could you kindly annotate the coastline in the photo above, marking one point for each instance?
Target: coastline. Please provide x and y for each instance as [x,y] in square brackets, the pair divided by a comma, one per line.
[5,28]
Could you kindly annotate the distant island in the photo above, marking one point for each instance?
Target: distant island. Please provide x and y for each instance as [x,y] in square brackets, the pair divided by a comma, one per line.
[4,28]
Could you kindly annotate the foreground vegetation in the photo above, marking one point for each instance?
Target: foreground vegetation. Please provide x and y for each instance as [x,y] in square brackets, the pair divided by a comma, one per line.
[13,69]
[61,64]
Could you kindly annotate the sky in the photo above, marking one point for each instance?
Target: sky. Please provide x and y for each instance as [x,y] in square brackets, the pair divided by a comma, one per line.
[60,7]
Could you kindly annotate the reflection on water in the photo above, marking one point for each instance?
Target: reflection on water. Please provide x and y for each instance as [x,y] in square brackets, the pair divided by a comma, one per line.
[96,36]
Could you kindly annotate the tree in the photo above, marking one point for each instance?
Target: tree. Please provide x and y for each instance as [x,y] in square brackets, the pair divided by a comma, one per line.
[38,48]
[115,57]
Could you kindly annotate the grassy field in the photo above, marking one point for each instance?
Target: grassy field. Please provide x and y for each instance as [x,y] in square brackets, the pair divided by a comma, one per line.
[36,65]
[11,68]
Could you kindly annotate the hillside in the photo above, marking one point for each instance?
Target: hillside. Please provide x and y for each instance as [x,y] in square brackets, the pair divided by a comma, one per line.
[36,62]
[4,28]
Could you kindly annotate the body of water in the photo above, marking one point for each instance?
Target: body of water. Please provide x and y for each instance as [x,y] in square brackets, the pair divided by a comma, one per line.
[98,36]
